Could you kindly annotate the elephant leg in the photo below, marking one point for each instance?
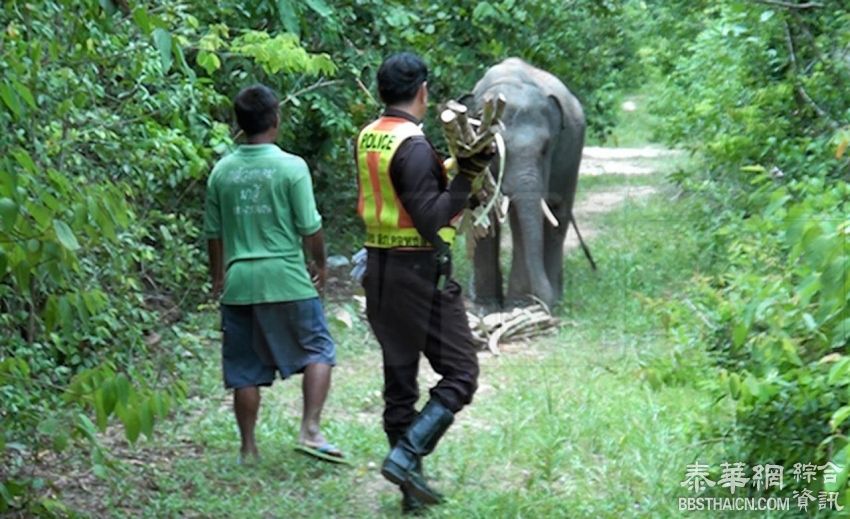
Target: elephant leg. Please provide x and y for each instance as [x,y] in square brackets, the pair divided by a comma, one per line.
[488,271]
[553,253]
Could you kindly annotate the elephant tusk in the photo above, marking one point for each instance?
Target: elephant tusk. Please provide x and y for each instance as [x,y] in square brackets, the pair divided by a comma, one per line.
[506,202]
[548,213]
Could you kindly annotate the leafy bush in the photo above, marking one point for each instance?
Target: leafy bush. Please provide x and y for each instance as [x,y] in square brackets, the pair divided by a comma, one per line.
[117,110]
[100,248]
[758,93]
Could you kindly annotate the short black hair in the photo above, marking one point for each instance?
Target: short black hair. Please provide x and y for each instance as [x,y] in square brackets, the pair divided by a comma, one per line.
[256,109]
[400,77]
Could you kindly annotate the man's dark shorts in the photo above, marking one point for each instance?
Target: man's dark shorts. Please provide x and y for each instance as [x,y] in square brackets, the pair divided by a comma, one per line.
[263,338]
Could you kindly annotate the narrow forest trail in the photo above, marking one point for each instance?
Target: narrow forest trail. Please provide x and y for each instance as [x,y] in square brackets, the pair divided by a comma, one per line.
[561,426]
[617,162]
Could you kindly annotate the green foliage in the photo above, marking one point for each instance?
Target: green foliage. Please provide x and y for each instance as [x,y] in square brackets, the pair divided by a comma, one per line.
[100,247]
[281,53]
[759,84]
[98,199]
[588,46]
[774,316]
[116,112]
[760,92]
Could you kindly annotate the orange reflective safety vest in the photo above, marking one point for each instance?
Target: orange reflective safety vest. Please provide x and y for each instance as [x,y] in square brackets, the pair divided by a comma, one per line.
[388,225]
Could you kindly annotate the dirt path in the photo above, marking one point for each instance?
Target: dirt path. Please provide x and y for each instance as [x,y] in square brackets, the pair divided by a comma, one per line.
[623,161]
[594,199]
[626,162]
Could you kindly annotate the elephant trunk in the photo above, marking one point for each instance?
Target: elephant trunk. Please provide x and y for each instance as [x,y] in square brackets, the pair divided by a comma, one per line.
[530,216]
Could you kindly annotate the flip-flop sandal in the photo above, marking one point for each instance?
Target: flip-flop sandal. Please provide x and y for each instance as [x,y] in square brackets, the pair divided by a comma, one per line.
[325,452]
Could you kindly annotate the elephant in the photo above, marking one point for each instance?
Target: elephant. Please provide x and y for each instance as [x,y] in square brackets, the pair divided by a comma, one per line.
[544,137]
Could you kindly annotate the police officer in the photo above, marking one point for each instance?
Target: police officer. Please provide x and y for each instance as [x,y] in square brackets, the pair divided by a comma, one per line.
[414,307]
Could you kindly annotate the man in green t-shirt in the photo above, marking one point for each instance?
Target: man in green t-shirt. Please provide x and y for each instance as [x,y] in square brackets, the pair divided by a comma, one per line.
[260,216]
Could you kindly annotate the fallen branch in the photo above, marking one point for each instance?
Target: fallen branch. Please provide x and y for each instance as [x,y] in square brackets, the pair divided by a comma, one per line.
[789,5]
[518,324]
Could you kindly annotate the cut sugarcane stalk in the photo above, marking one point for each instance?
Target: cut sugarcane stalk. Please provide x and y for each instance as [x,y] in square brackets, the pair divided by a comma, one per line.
[483,140]
[450,127]
[465,128]
[466,137]
[450,164]
[488,110]
[521,323]
[493,342]
[500,146]
[499,109]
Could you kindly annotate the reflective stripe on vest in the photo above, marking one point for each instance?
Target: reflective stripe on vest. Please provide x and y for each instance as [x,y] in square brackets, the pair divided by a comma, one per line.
[388,224]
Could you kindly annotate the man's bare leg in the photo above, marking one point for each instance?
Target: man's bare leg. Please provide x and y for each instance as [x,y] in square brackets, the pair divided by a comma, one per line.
[246,404]
[316,383]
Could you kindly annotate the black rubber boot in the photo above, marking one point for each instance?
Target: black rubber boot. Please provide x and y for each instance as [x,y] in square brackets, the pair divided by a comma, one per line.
[403,466]
[409,504]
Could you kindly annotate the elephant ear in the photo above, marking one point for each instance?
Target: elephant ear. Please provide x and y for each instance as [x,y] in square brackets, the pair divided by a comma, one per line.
[557,111]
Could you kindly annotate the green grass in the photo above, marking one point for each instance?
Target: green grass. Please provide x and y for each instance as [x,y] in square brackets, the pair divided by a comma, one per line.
[562,427]
[599,182]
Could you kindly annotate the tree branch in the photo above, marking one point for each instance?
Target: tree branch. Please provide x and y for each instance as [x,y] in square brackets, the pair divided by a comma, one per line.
[803,26]
[319,84]
[789,5]
[365,90]
[801,91]
[32,312]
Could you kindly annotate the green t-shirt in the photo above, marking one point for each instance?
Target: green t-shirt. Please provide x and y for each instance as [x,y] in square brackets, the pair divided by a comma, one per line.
[260,204]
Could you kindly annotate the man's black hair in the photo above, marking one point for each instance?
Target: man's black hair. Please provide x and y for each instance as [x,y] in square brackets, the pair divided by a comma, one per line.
[256,109]
[400,77]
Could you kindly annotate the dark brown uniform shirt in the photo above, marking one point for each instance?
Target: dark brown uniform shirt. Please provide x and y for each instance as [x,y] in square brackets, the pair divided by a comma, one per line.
[416,172]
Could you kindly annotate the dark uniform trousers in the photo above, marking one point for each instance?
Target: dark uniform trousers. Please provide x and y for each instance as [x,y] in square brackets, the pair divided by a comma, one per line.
[409,316]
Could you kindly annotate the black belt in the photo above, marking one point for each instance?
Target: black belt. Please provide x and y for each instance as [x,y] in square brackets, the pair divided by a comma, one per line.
[403,255]
[442,261]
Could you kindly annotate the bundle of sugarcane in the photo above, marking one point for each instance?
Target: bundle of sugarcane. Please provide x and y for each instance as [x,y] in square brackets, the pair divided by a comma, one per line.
[518,324]
[467,137]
